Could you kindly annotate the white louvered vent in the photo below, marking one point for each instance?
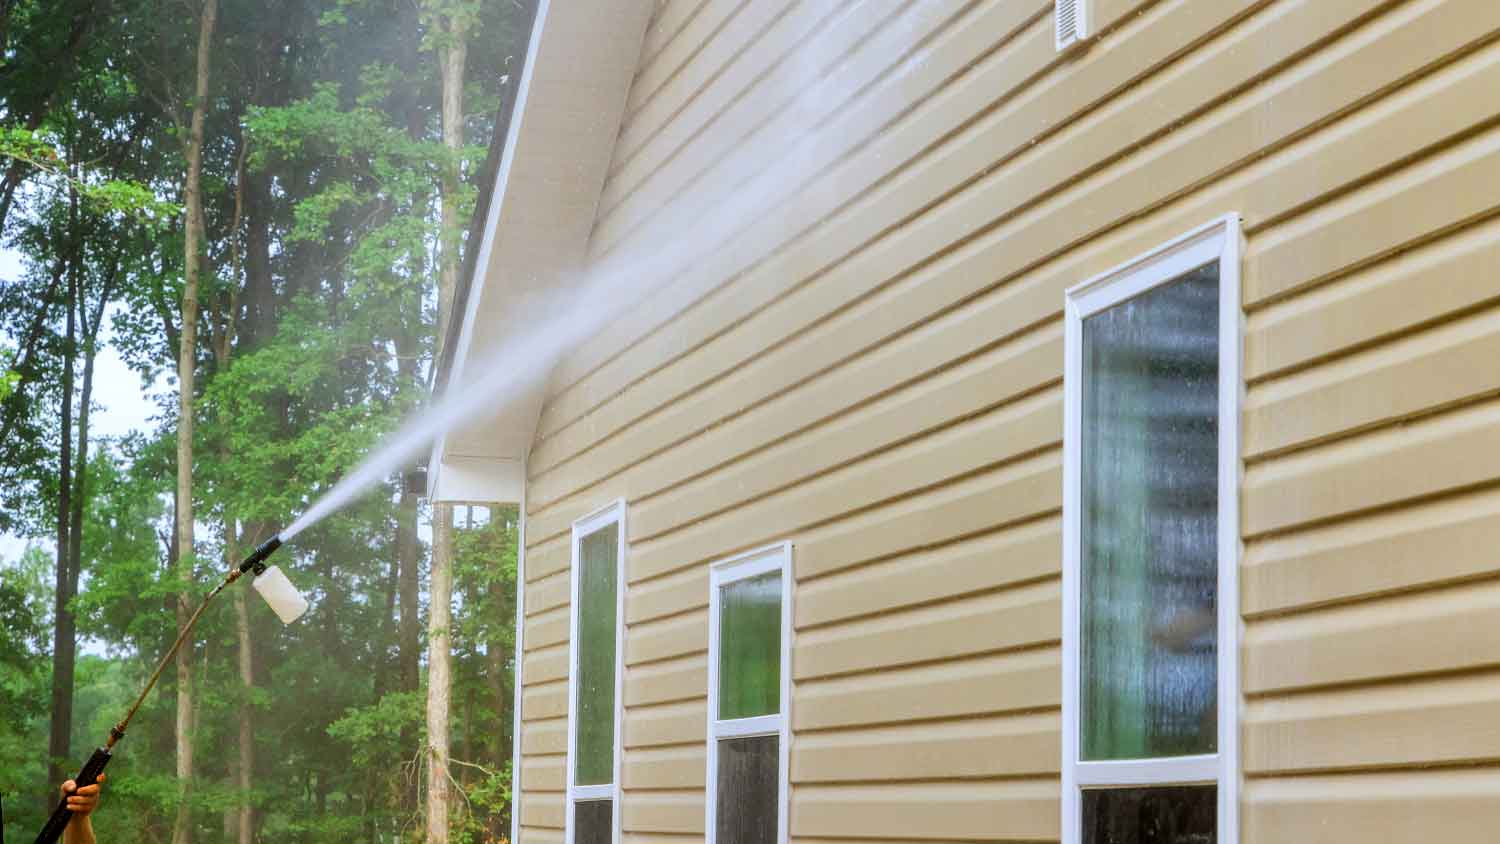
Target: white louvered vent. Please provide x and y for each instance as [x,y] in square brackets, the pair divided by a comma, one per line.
[1072,22]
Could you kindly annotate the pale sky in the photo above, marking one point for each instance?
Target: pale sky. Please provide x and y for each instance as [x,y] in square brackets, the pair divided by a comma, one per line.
[122,404]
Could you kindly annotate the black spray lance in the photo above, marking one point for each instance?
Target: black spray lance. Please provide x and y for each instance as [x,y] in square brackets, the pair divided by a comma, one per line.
[270,583]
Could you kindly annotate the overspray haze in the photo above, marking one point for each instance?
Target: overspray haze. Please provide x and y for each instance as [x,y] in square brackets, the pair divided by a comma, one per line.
[742,195]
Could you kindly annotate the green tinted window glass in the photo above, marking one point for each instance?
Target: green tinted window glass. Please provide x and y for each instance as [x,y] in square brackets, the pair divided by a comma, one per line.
[750,647]
[1149,540]
[595,709]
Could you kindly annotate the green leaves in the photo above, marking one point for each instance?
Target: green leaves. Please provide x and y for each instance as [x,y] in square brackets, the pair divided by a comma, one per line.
[118,196]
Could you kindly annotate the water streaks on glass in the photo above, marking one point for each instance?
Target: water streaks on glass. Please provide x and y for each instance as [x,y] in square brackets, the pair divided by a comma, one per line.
[1149,526]
[597,601]
[750,647]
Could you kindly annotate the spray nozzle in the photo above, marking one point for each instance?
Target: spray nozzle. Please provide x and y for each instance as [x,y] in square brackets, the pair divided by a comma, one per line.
[257,558]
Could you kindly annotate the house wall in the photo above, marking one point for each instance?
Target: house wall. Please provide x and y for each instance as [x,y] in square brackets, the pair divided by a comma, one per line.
[873,371]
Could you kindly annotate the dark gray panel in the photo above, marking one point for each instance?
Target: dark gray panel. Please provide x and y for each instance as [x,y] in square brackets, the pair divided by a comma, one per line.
[749,773]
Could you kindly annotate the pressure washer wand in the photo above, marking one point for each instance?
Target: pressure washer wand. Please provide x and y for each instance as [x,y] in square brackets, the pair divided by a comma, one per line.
[95,766]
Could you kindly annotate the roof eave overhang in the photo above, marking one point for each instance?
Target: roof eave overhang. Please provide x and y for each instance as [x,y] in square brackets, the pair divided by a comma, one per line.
[570,103]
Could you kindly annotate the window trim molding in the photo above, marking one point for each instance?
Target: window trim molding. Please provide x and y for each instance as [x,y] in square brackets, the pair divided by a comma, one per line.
[763,560]
[612,513]
[1220,240]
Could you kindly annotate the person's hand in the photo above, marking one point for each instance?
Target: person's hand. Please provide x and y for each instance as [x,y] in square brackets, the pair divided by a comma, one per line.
[82,801]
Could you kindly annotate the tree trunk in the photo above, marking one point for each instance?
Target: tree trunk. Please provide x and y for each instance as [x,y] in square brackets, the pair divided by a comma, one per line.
[439,679]
[186,358]
[451,59]
[246,764]
[408,557]
[64,633]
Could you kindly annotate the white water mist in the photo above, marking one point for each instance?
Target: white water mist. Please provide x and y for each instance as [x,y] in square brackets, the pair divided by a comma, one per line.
[679,236]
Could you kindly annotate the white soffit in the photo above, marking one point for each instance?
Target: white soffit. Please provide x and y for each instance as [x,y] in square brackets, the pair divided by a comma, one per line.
[579,67]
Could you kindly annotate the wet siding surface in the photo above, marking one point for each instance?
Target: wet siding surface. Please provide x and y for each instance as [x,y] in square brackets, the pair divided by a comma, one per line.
[873,370]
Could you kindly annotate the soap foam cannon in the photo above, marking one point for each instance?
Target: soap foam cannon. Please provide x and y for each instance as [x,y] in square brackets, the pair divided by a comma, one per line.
[272,585]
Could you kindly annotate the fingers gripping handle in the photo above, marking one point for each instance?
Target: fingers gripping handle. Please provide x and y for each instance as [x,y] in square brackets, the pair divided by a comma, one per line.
[60,817]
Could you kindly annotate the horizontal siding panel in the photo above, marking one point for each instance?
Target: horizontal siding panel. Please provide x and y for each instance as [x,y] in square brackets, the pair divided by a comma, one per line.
[1383,218]
[544,737]
[829,181]
[555,524]
[666,23]
[1006,746]
[1009,494]
[951,453]
[1444,540]
[546,558]
[547,664]
[1004,620]
[645,811]
[1015,810]
[1386,467]
[1453,274]
[717,63]
[661,837]
[544,773]
[665,639]
[1024,363]
[546,629]
[661,682]
[828,84]
[670,723]
[928,405]
[1443,721]
[769,71]
[542,808]
[675,593]
[1391,808]
[540,835]
[1000,683]
[1396,380]
[999,559]
[551,592]
[543,701]
[676,54]
[1442,630]
[675,767]
[1015,127]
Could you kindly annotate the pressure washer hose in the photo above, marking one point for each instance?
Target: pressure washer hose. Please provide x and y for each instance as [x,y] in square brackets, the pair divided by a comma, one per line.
[95,766]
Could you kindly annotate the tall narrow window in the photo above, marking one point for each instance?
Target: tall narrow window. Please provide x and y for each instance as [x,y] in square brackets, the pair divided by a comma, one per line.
[1151,548]
[749,697]
[595,676]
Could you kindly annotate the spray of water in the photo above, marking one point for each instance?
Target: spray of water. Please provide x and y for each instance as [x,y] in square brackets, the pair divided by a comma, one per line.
[698,225]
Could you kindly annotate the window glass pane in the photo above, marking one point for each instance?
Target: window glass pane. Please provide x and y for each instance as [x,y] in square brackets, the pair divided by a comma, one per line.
[1149,523]
[750,647]
[592,820]
[1175,815]
[749,772]
[594,754]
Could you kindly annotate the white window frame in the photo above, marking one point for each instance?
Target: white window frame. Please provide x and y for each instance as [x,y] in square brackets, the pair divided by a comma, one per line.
[612,513]
[1221,241]
[754,563]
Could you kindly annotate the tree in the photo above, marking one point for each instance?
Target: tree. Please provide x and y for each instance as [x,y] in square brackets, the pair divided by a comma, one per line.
[326,221]
[451,22]
[186,372]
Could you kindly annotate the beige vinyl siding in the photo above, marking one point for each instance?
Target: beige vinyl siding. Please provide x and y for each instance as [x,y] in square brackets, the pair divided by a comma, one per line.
[874,372]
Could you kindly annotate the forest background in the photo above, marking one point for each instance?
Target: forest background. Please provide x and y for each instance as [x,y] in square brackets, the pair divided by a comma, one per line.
[260,208]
